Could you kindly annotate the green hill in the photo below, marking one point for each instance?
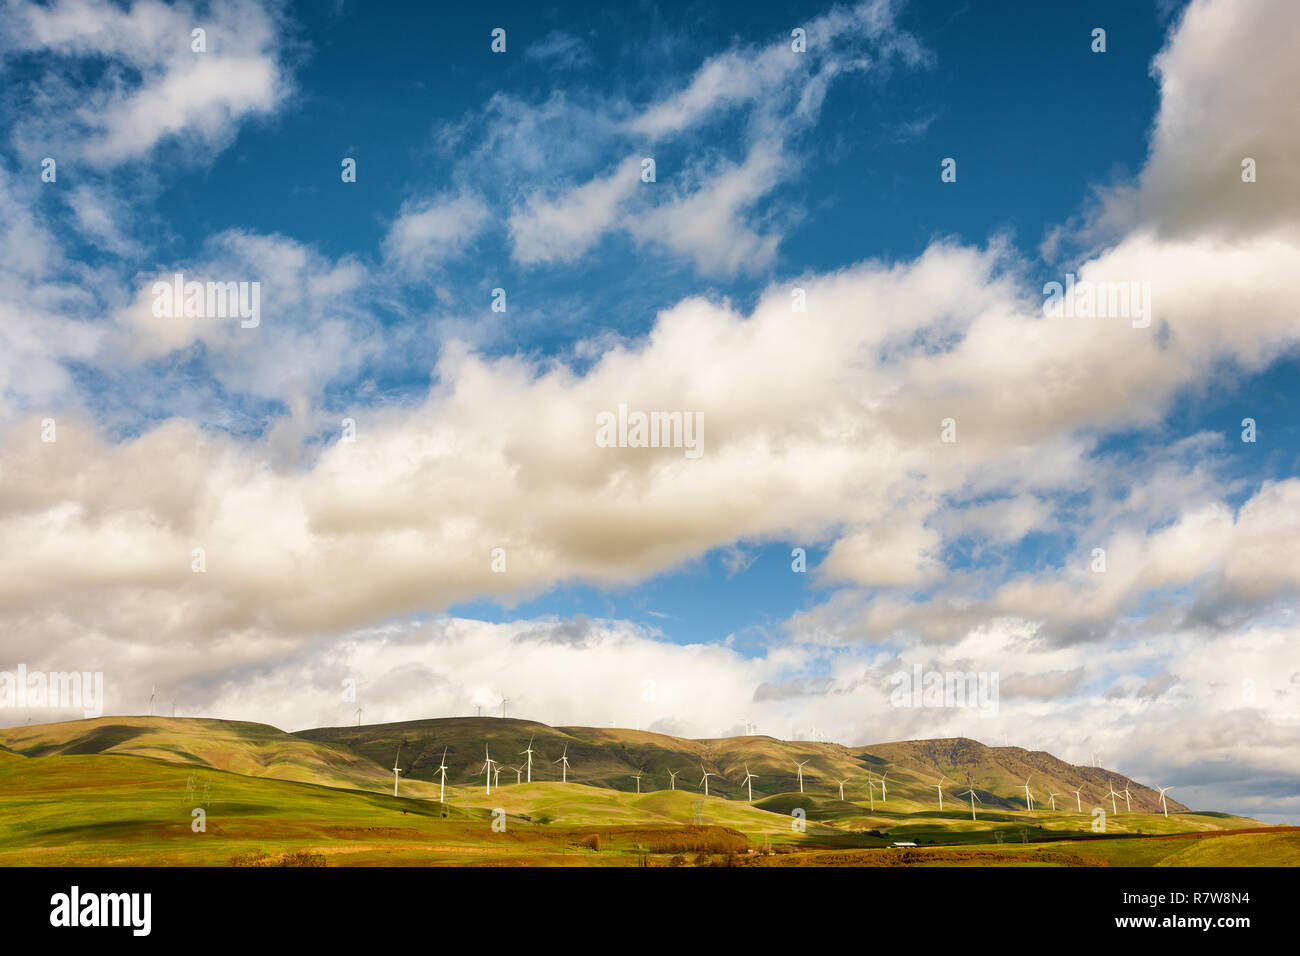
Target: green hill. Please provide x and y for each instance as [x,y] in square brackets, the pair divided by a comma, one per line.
[256,750]
[610,758]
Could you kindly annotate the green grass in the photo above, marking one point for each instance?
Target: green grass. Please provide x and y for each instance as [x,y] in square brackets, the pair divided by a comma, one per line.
[119,791]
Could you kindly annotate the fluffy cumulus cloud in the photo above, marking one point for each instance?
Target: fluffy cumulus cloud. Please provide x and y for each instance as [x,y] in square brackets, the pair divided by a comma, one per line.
[819,427]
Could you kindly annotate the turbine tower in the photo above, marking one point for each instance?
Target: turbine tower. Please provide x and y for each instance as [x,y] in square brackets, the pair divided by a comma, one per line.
[672,779]
[842,783]
[152,694]
[1052,797]
[358,716]
[638,781]
[396,769]
[1029,797]
[973,799]
[519,774]
[871,791]
[749,776]
[529,751]
[883,791]
[442,769]
[486,769]
[939,786]
[564,765]
[1078,801]
[1127,805]
[705,779]
[799,768]
[1164,806]
[504,701]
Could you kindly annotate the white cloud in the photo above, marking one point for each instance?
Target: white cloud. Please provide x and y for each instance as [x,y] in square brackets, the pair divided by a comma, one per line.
[157,88]
[430,232]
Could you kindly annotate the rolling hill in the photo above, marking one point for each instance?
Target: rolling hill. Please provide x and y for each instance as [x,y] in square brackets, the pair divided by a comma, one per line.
[255,750]
[610,758]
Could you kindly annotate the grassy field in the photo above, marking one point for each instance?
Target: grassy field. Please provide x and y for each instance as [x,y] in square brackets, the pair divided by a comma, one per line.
[123,791]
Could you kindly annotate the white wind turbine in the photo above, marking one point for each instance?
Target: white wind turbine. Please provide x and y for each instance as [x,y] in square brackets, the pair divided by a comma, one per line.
[871,791]
[672,779]
[799,768]
[749,776]
[1128,806]
[884,792]
[496,776]
[519,774]
[1164,806]
[1078,801]
[396,770]
[705,779]
[486,769]
[1052,797]
[358,716]
[842,783]
[152,694]
[1029,797]
[442,769]
[529,751]
[1112,796]
[638,781]
[973,799]
[504,701]
[939,786]
[564,765]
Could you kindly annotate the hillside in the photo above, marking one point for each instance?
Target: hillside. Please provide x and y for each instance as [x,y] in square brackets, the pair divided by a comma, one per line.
[610,757]
[256,750]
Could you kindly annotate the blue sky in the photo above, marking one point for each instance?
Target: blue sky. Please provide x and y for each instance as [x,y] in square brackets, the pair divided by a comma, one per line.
[775,170]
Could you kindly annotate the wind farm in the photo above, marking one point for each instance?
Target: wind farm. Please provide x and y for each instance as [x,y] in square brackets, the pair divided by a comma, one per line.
[593,796]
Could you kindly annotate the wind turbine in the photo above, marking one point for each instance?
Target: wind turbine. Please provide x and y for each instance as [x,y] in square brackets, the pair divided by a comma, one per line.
[504,701]
[519,774]
[486,769]
[1078,801]
[705,779]
[638,781]
[442,769]
[1127,804]
[396,770]
[939,786]
[496,776]
[564,765]
[799,767]
[973,798]
[672,779]
[529,751]
[1052,797]
[152,694]
[883,791]
[358,716]
[1164,806]
[871,791]
[749,776]
[1112,796]
[1029,797]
